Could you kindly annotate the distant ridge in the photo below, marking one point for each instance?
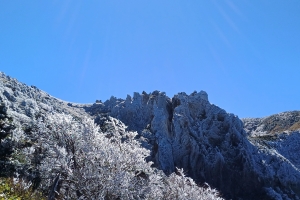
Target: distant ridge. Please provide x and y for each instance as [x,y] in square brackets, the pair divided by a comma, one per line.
[278,123]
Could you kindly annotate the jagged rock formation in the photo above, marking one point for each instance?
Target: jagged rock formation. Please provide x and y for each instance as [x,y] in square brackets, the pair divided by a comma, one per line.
[185,131]
[208,143]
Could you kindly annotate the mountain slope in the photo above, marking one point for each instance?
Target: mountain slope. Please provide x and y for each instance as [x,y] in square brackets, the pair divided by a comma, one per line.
[278,123]
[188,132]
[28,102]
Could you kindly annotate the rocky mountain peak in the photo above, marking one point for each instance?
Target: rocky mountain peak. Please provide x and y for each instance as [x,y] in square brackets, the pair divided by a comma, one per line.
[211,145]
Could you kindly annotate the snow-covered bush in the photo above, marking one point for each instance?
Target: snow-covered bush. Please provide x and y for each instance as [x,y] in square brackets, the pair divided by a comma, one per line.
[78,161]
[178,186]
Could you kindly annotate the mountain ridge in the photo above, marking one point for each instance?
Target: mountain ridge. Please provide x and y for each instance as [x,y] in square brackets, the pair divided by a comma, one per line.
[188,132]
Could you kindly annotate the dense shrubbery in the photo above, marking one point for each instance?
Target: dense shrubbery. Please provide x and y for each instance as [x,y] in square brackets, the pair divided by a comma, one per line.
[11,186]
[6,144]
[76,160]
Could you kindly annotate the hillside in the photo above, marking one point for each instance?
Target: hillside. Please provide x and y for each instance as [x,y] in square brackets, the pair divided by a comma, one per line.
[243,159]
[274,124]
[52,149]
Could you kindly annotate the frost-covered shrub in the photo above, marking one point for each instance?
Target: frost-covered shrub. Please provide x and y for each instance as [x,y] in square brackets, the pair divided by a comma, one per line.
[178,186]
[78,161]
[6,144]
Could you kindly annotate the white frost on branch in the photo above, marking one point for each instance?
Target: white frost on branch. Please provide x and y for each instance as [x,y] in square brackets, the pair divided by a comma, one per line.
[81,162]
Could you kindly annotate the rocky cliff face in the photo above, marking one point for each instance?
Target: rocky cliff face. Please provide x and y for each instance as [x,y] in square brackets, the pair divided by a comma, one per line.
[277,135]
[208,143]
[188,132]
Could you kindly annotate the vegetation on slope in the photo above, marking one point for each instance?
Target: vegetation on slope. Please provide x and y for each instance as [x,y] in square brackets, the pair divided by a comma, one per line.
[17,189]
[73,159]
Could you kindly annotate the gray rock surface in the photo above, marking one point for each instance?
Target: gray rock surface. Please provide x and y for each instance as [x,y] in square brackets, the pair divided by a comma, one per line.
[278,135]
[209,144]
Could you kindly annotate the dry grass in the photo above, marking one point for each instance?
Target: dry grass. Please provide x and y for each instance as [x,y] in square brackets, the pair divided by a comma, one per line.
[17,190]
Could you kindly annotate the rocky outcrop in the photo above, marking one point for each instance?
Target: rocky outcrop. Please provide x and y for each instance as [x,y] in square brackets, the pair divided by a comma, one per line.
[278,135]
[209,144]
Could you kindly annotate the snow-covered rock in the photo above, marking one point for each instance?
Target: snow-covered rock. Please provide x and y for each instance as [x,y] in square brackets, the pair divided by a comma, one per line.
[209,144]
[278,123]
[26,103]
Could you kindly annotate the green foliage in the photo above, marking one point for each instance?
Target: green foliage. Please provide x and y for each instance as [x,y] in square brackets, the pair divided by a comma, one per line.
[19,156]
[17,191]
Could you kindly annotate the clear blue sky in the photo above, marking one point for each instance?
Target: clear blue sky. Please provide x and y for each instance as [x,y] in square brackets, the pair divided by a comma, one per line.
[245,53]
